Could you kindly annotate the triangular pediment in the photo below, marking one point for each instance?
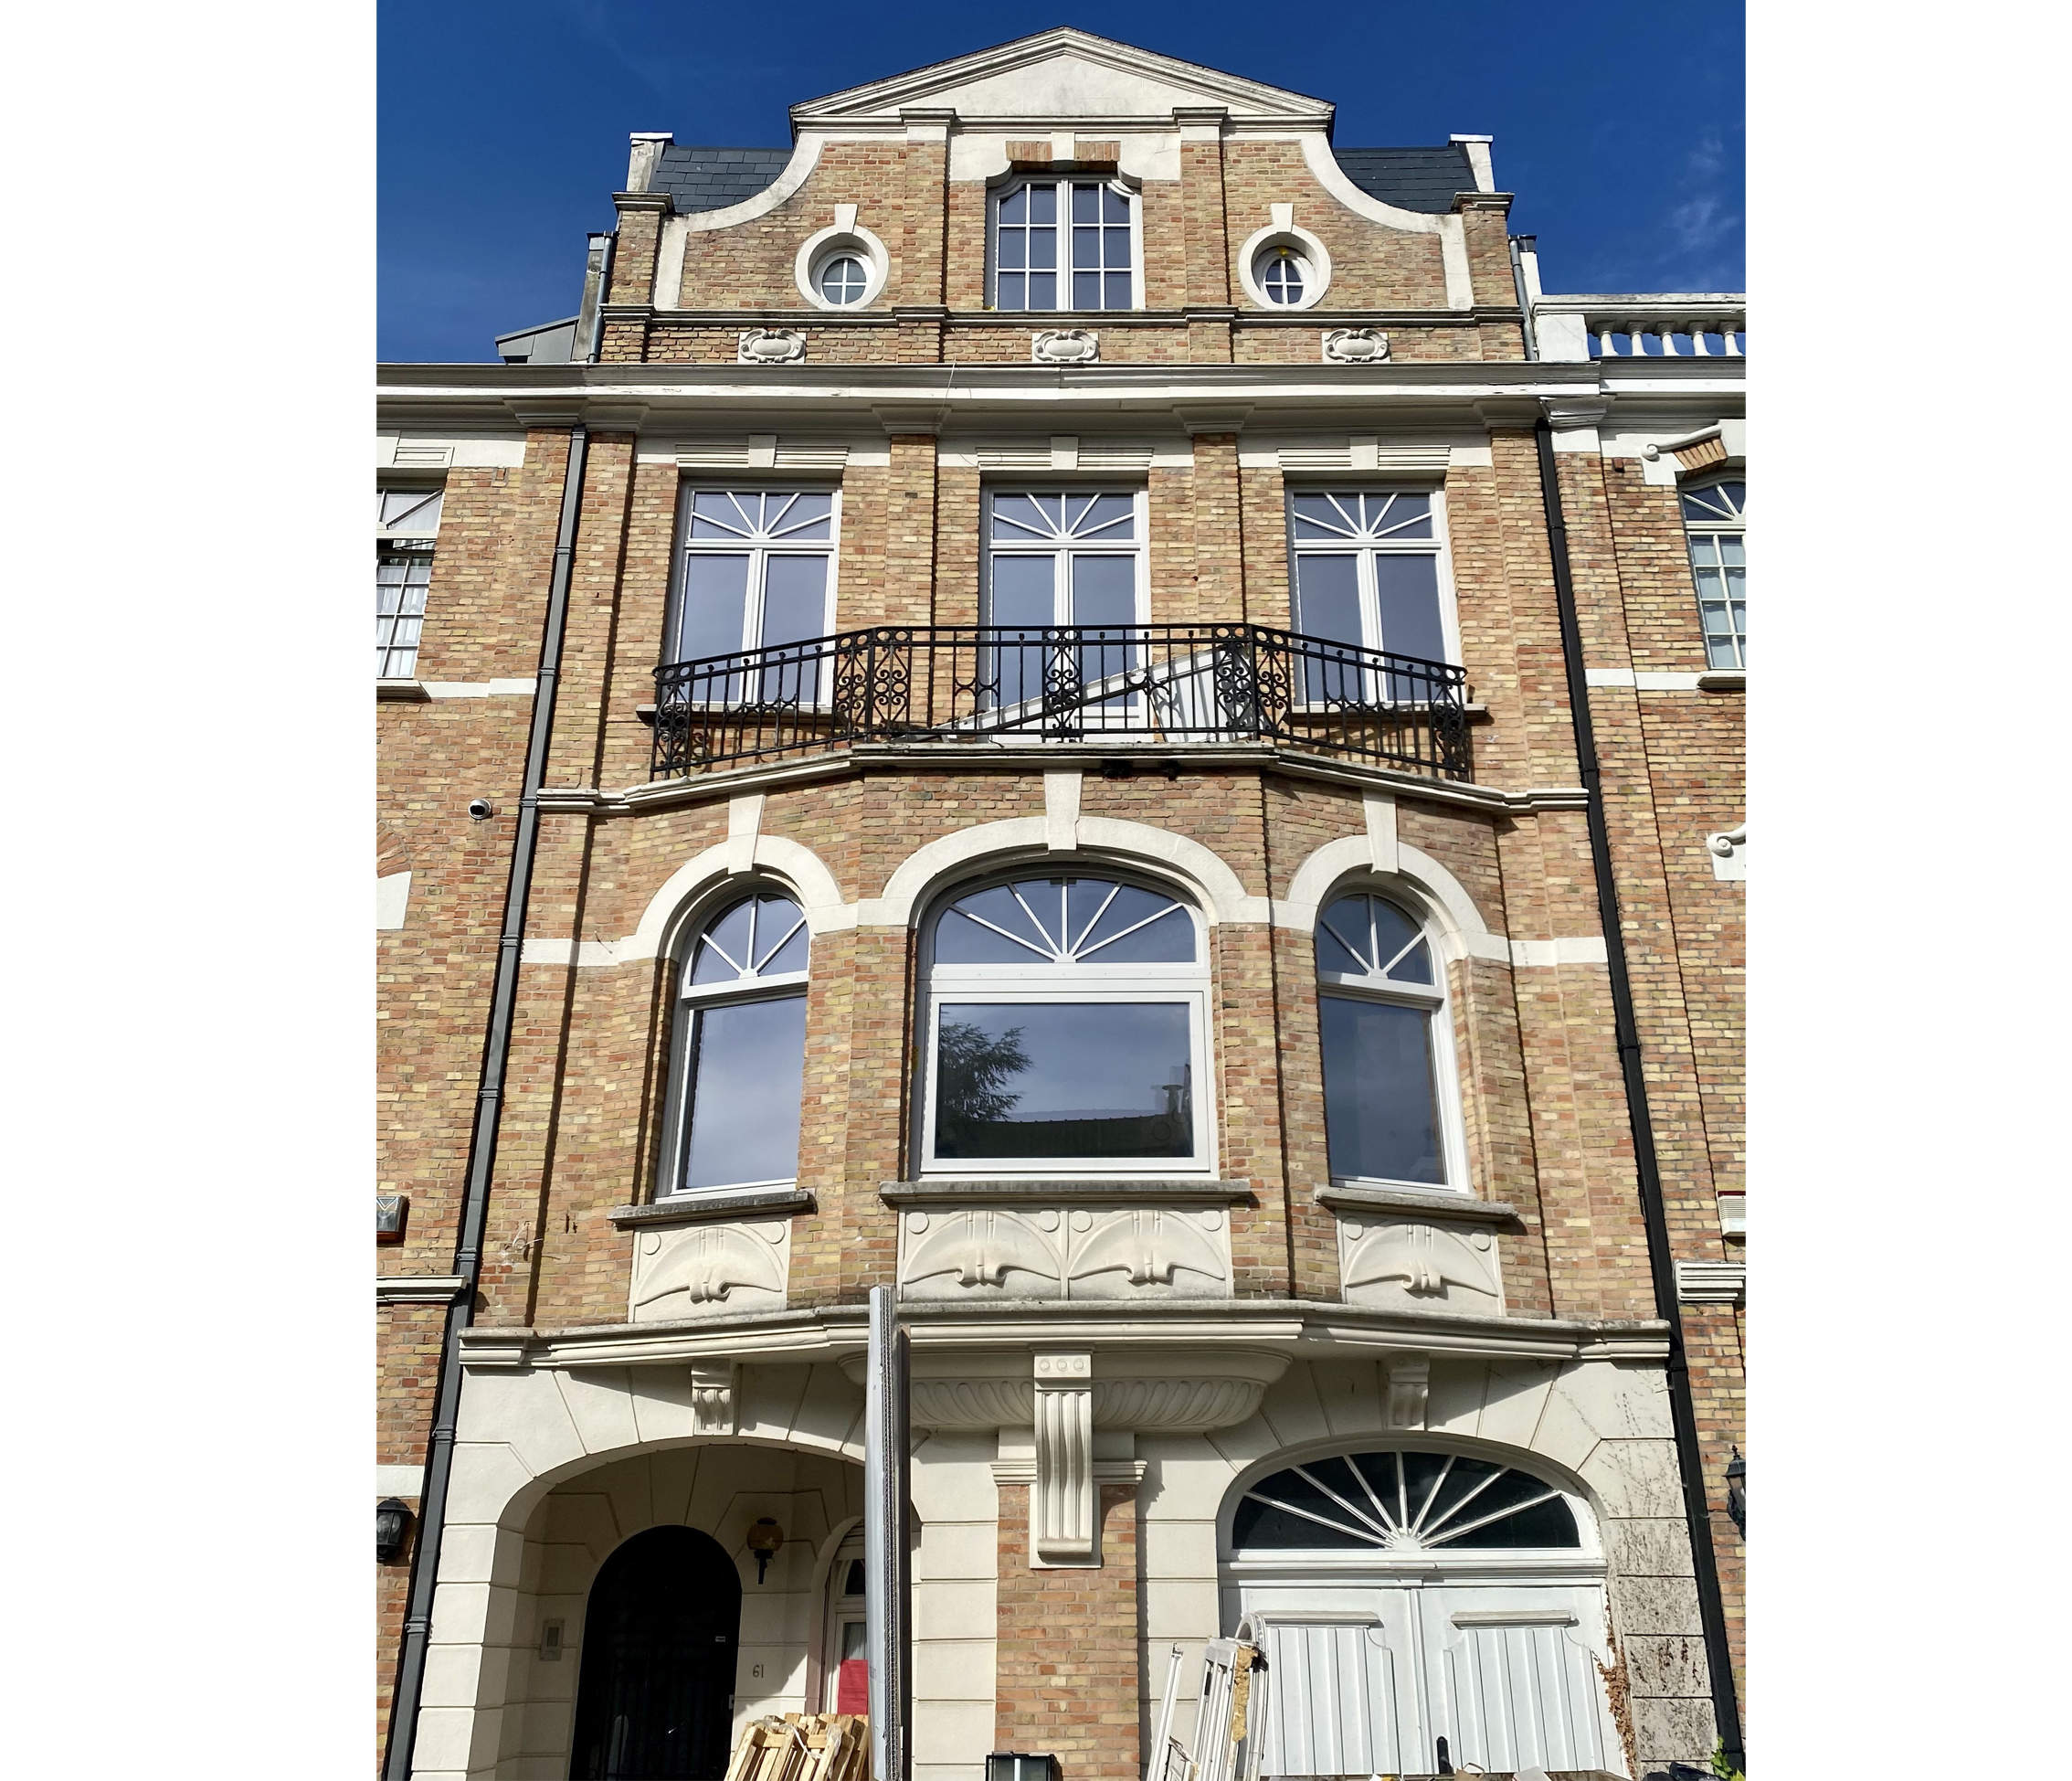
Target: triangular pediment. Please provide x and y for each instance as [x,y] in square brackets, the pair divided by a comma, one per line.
[1063,74]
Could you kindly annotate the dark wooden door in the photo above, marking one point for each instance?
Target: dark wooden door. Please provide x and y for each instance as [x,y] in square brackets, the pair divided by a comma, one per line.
[655,1699]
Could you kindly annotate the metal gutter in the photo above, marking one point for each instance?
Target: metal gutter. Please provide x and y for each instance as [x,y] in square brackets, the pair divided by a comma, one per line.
[1646,1165]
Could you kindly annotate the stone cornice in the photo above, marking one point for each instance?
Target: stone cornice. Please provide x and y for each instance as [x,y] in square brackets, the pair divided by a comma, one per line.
[1444,1208]
[1059,1191]
[1260,1324]
[775,1202]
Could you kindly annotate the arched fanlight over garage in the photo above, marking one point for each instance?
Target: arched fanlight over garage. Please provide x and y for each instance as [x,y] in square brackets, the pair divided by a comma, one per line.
[1401,1502]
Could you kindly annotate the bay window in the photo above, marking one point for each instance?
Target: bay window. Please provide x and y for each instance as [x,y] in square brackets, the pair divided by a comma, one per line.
[1388,1115]
[1065,1031]
[754,571]
[738,1067]
[1716,527]
[1368,576]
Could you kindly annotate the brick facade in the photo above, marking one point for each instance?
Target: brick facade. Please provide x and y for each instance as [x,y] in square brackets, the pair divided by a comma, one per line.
[1542,1113]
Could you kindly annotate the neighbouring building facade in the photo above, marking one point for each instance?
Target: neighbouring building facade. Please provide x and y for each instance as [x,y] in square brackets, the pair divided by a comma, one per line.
[1046,701]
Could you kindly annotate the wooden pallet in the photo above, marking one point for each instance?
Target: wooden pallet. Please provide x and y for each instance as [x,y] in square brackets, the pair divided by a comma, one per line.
[803,1747]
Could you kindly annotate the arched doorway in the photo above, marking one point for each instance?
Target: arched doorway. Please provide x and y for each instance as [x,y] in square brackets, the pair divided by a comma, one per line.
[1403,1595]
[656,1697]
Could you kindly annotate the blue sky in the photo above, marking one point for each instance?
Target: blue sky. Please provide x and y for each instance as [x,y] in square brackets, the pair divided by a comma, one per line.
[504,126]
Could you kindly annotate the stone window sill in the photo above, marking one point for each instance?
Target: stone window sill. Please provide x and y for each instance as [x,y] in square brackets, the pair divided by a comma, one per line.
[1455,1206]
[1724,680]
[1066,1190]
[413,690]
[754,1203]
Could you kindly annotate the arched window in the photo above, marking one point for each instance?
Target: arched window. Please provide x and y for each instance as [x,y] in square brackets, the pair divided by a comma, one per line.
[1282,275]
[1066,1031]
[1387,1053]
[1400,1502]
[1716,525]
[739,1050]
[660,1638]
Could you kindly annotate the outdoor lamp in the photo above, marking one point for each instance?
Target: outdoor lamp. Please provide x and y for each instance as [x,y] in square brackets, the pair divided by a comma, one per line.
[391,1525]
[764,1538]
[1736,1492]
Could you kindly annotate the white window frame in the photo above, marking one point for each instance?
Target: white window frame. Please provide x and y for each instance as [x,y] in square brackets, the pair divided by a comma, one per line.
[1138,545]
[1437,1002]
[1721,528]
[1439,546]
[693,1000]
[686,546]
[1061,553]
[1038,984]
[1064,182]
[407,544]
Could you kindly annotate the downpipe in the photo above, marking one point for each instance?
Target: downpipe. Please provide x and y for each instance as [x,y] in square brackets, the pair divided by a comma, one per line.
[482,1152]
[1647,1168]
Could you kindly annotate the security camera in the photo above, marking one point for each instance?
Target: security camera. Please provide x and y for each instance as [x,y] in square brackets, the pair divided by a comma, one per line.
[480,809]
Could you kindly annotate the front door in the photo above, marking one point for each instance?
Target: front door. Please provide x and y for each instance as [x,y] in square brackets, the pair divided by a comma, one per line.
[655,1702]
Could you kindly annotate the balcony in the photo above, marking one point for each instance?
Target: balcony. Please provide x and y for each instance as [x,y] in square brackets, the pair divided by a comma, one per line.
[1135,684]
[1707,324]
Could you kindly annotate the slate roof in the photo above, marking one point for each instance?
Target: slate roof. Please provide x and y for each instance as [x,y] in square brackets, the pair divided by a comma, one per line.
[1410,178]
[712,178]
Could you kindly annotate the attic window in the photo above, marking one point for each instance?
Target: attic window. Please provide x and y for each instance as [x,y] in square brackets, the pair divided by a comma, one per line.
[1091,266]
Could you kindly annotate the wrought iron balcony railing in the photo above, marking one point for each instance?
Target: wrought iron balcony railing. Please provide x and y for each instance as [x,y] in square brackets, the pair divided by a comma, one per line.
[1062,682]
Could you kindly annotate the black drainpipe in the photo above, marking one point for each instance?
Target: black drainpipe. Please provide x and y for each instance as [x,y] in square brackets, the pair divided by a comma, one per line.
[496,1058]
[1681,1409]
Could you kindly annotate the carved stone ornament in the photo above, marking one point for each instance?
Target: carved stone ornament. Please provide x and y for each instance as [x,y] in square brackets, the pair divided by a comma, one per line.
[713,1404]
[1065,347]
[1063,1521]
[1410,1390]
[709,1270]
[1405,1263]
[770,347]
[1356,346]
[1066,1252]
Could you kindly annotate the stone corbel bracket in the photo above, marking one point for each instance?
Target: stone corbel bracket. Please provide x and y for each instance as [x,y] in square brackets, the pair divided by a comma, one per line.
[1063,1396]
[715,1402]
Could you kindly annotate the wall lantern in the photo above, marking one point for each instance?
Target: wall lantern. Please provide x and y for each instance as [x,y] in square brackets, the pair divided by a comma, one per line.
[1013,1765]
[764,1538]
[391,1528]
[1736,1492]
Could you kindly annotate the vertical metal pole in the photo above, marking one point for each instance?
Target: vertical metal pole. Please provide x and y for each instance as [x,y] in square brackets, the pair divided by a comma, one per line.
[884,1539]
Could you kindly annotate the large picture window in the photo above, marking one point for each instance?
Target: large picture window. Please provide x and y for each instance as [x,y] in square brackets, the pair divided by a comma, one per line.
[740,1050]
[1368,573]
[1381,1003]
[1065,244]
[1716,524]
[1066,1031]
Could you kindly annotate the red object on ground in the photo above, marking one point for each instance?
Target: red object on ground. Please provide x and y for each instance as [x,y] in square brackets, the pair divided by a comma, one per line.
[852,1686]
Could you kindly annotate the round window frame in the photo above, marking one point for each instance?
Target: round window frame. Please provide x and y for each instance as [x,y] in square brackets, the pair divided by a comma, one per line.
[830,244]
[1315,255]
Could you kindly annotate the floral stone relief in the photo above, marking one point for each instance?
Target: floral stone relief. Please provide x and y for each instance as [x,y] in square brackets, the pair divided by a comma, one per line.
[1077,1251]
[1407,1263]
[710,1270]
